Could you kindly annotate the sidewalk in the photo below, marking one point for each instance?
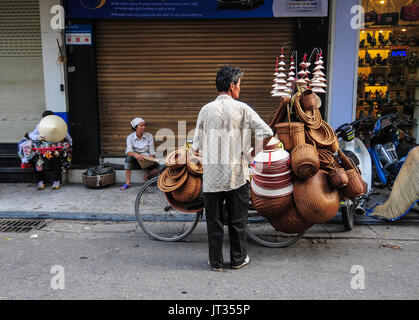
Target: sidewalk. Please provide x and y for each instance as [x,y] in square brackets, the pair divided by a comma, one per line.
[74,201]
[71,201]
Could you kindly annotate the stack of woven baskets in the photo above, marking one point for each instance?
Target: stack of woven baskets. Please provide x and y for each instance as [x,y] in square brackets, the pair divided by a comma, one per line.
[181,181]
[322,175]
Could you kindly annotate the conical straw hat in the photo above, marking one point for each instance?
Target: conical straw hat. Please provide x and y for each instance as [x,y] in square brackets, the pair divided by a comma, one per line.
[52,129]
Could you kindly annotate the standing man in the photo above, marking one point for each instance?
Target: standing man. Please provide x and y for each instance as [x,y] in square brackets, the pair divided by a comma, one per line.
[223,137]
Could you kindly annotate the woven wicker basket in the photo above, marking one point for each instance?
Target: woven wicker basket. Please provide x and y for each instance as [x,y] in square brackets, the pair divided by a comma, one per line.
[305,161]
[338,177]
[99,181]
[292,222]
[356,186]
[316,199]
[291,134]
[271,208]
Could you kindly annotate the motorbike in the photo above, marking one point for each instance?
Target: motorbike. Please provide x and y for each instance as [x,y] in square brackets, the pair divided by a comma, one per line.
[379,156]
[387,151]
[355,149]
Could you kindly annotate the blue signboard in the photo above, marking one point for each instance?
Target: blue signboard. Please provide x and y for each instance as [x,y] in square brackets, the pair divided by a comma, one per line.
[194,9]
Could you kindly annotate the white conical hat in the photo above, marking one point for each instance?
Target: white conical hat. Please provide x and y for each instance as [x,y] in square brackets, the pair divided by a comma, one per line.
[317,89]
[282,63]
[282,69]
[282,75]
[319,67]
[291,73]
[301,81]
[52,129]
[319,73]
[283,81]
[319,84]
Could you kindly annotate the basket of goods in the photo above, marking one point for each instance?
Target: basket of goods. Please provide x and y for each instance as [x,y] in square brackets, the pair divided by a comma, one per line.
[305,161]
[292,222]
[311,118]
[309,100]
[181,181]
[324,136]
[338,176]
[316,199]
[271,183]
[290,133]
[99,176]
[356,186]
[326,159]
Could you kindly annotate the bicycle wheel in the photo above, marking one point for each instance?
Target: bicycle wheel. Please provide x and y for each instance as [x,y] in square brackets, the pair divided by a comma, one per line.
[158,218]
[262,232]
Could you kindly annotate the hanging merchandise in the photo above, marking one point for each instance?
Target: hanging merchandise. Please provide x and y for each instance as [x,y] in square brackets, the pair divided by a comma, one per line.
[304,184]
[280,82]
[181,181]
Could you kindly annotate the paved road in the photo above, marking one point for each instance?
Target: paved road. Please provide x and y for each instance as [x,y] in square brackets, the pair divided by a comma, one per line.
[109,260]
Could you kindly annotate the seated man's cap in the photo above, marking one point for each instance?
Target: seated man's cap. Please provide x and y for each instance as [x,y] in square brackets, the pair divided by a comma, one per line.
[136,122]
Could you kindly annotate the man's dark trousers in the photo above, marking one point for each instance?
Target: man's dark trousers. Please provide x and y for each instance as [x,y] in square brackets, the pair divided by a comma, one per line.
[237,203]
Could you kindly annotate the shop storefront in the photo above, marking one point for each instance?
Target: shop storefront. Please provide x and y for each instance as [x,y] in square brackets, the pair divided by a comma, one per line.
[388,64]
[163,69]
[22,94]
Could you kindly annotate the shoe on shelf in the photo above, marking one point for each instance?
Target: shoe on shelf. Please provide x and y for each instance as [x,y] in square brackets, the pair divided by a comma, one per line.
[40,186]
[246,261]
[56,185]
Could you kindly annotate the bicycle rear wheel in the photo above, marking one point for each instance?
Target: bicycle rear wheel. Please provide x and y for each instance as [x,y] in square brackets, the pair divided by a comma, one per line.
[262,232]
[158,218]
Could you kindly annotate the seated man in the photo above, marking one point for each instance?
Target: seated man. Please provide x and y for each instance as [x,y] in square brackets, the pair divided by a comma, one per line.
[139,144]
[54,161]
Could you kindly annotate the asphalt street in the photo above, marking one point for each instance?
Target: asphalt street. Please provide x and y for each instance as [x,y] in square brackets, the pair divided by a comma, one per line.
[78,260]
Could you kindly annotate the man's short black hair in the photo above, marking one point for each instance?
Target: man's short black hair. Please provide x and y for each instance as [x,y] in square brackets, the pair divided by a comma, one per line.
[227,75]
[47,113]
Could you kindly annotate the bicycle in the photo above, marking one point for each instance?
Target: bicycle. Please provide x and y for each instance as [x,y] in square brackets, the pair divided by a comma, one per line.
[161,221]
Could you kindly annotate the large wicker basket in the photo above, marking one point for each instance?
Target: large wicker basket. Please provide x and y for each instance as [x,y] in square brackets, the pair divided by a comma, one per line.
[99,181]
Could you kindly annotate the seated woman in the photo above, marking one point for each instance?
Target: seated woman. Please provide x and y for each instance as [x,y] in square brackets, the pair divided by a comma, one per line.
[139,144]
[57,161]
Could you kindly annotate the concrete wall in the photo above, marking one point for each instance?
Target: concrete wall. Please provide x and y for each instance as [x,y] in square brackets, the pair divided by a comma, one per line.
[54,73]
[342,64]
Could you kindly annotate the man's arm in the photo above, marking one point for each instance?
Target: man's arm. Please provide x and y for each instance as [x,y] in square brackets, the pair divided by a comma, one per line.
[198,136]
[263,133]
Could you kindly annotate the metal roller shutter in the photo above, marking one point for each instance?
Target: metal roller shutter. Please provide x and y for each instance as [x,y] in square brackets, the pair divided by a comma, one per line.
[165,71]
[22,93]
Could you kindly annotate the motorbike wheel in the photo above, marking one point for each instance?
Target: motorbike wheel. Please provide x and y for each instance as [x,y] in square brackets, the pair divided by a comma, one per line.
[347,216]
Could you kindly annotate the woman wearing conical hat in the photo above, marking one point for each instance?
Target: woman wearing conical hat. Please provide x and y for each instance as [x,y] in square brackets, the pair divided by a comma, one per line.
[51,129]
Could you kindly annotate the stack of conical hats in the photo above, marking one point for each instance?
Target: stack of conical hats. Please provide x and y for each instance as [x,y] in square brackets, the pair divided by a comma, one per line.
[279,87]
[181,181]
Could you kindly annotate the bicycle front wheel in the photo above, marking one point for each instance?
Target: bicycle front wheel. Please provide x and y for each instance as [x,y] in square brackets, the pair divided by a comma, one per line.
[262,232]
[158,218]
